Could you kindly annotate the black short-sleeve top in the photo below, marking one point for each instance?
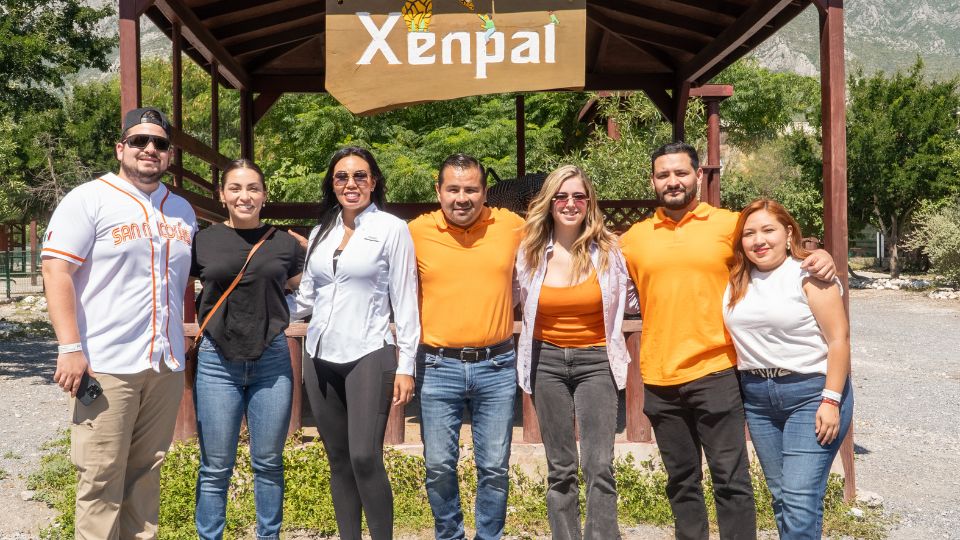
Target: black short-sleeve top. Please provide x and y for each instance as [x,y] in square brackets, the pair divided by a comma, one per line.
[256,311]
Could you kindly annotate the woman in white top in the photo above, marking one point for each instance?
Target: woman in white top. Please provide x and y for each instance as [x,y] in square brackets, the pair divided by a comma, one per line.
[572,356]
[792,339]
[360,265]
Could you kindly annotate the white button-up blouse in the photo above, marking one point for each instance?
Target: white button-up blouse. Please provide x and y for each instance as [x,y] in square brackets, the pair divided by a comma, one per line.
[351,307]
[618,295]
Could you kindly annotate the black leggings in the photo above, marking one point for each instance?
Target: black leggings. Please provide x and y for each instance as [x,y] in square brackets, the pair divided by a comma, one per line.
[350,403]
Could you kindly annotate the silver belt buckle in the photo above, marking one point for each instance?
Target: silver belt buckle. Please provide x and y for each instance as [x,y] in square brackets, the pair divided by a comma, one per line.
[469,355]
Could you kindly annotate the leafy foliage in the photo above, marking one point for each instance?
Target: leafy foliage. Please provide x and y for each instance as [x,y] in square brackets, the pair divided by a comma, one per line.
[44,42]
[765,103]
[902,135]
[768,171]
[937,233]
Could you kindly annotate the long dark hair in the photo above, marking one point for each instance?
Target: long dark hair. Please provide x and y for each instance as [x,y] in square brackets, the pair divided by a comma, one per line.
[330,207]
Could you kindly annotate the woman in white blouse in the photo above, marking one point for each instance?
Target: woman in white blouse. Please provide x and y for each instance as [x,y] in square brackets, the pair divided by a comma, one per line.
[360,265]
[572,356]
[792,339]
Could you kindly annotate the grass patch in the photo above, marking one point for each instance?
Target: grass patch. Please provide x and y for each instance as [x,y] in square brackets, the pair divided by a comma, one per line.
[10,454]
[308,505]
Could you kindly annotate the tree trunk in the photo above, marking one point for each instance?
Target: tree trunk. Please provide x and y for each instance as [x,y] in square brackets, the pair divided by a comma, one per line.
[894,242]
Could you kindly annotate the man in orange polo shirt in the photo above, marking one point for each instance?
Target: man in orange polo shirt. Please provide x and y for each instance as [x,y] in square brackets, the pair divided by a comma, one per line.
[680,260]
[465,258]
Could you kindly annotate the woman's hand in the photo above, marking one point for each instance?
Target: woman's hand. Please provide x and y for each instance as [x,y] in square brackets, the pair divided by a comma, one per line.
[299,238]
[828,423]
[402,389]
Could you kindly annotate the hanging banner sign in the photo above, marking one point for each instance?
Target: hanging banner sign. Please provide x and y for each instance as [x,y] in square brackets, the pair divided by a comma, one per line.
[383,54]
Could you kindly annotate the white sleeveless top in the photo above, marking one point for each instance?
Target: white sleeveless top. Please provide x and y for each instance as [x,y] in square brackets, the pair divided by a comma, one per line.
[772,325]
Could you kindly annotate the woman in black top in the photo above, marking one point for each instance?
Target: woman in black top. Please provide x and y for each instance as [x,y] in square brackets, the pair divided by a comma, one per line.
[243,364]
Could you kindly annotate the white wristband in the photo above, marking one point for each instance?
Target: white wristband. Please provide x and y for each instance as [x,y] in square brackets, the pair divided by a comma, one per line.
[72,347]
[830,394]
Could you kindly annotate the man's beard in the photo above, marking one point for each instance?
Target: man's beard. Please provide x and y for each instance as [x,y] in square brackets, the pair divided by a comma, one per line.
[677,204]
[133,173]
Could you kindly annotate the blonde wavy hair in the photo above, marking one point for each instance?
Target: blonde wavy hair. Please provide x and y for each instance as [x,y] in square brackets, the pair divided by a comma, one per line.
[538,230]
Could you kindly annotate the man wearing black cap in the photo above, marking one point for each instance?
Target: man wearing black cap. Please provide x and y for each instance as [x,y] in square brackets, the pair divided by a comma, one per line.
[116,258]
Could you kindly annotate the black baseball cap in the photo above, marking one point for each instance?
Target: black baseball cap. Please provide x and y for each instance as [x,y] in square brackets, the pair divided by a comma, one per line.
[146,115]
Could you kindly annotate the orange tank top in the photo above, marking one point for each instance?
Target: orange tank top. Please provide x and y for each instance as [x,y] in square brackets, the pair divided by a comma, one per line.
[571,316]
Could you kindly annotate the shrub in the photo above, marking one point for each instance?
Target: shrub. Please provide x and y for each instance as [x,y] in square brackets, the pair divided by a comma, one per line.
[937,233]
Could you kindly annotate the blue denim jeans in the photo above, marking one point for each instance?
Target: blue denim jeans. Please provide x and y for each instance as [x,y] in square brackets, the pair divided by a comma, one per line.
[446,386]
[225,391]
[781,414]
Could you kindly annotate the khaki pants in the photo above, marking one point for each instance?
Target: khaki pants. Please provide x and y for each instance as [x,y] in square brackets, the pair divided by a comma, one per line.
[118,445]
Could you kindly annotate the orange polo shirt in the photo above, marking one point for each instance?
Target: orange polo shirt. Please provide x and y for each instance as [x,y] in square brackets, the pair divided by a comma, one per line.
[466,278]
[681,271]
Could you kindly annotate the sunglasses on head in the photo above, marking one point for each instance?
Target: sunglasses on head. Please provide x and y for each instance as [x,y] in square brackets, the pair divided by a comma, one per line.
[162,144]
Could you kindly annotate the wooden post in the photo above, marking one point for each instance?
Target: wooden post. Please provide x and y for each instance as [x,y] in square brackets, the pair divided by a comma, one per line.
[33,252]
[531,426]
[176,67]
[246,124]
[681,95]
[396,423]
[521,137]
[833,106]
[638,425]
[296,366]
[215,122]
[712,95]
[129,56]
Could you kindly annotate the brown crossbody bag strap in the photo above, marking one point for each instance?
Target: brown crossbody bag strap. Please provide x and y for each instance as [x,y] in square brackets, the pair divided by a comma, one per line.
[236,280]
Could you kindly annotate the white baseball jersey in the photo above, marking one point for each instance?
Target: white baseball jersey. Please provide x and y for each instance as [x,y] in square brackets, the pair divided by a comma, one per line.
[133,250]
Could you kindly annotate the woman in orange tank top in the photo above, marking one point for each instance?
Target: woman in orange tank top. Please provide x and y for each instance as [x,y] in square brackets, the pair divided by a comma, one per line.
[571,355]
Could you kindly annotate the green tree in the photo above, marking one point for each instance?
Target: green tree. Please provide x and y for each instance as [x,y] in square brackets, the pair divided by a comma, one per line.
[42,43]
[767,171]
[764,103]
[902,134]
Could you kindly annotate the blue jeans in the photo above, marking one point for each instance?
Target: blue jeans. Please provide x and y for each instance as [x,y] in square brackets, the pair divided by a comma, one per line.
[225,392]
[781,414]
[488,388]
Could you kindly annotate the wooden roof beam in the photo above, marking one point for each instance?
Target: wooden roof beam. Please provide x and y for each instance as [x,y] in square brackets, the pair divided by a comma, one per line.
[200,38]
[143,6]
[255,63]
[747,25]
[228,31]
[708,29]
[716,6]
[601,18]
[291,35]
[222,7]
[301,83]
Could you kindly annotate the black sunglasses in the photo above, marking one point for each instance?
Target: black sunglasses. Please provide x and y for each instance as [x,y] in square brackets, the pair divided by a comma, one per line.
[162,144]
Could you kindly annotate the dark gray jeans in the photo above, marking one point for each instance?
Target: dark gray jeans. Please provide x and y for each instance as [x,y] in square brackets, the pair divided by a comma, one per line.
[568,384]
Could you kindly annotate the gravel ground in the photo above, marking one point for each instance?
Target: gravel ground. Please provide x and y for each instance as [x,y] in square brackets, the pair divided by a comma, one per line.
[907,385]
[906,372]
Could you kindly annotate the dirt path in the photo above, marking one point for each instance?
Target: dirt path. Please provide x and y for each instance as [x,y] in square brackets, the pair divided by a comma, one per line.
[906,362]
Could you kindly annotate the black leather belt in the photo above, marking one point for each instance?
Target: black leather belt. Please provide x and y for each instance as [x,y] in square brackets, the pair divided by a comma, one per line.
[470,354]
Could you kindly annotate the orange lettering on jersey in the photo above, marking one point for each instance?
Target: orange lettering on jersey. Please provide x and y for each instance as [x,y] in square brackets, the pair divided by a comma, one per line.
[132,231]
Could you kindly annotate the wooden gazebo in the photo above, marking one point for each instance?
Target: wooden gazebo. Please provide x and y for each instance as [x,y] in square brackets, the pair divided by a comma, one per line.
[669,49]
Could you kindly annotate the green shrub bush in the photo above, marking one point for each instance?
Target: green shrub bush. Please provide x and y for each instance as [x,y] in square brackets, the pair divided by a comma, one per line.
[937,233]
[308,504]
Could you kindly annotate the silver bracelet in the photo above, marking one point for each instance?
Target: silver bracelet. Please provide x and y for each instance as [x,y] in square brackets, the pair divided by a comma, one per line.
[830,394]
[72,347]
